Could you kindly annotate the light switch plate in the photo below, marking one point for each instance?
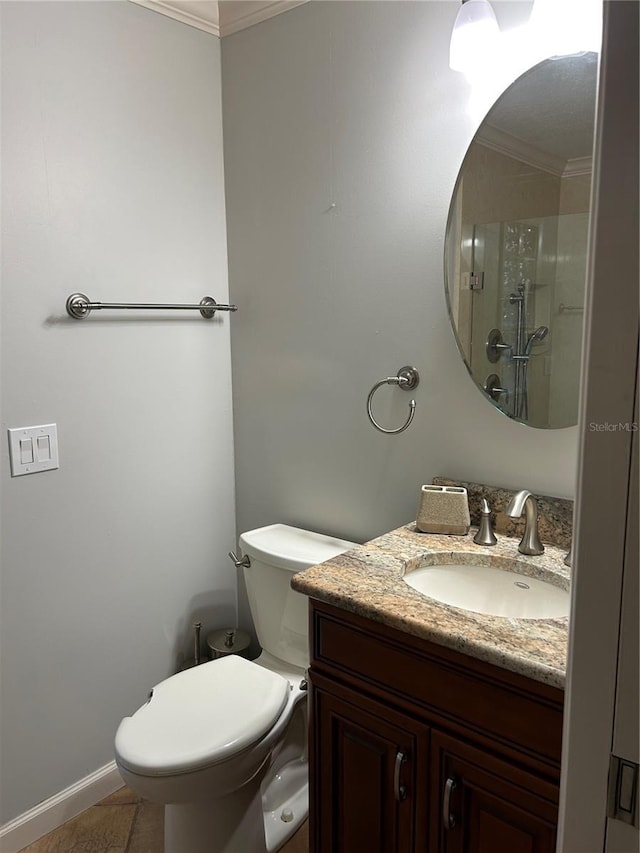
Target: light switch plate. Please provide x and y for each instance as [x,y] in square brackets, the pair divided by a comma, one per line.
[33,449]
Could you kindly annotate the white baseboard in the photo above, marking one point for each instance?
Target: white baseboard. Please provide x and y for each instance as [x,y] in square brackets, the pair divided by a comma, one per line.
[52,813]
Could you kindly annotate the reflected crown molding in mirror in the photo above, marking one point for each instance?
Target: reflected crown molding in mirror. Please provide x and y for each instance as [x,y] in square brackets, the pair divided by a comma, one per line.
[578,166]
[512,146]
[516,243]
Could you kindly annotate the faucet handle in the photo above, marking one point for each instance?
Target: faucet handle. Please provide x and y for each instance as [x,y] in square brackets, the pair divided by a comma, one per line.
[485,534]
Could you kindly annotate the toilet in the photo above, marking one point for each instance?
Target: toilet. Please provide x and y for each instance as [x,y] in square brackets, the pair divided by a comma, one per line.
[224,745]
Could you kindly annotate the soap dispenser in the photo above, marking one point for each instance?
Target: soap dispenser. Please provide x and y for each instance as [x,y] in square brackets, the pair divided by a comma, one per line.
[485,534]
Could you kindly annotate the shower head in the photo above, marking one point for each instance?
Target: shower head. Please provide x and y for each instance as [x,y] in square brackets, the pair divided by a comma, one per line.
[535,337]
[540,334]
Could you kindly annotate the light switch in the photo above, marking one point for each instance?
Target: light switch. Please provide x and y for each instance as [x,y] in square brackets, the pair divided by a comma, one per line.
[43,444]
[33,449]
[26,451]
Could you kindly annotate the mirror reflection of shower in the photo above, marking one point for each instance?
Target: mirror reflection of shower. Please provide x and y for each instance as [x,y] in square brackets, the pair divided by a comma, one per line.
[516,335]
[516,248]
[514,394]
[522,357]
[519,317]
[535,337]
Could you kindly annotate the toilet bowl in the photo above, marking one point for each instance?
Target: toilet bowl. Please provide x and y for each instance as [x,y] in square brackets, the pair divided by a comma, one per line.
[224,745]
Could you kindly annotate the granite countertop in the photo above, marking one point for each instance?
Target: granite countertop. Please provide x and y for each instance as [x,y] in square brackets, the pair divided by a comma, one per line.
[368,581]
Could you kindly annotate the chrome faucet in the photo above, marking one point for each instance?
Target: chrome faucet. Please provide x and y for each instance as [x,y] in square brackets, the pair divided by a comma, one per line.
[530,542]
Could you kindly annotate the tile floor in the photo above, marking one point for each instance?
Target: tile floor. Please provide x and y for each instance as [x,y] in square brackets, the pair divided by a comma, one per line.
[123,823]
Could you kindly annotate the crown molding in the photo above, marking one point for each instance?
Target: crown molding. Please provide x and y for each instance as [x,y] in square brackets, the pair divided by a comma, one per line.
[202,14]
[220,18]
[236,15]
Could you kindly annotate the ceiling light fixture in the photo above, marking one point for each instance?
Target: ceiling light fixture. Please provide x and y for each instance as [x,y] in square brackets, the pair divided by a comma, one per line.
[567,27]
[475,32]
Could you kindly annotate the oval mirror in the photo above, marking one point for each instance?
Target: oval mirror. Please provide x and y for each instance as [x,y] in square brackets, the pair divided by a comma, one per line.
[516,243]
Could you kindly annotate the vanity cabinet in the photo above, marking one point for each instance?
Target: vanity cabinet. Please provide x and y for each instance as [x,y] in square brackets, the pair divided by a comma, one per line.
[416,748]
[482,804]
[367,777]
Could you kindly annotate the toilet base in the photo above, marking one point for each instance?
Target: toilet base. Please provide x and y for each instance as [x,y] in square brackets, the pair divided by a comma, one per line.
[291,790]
[231,824]
[241,822]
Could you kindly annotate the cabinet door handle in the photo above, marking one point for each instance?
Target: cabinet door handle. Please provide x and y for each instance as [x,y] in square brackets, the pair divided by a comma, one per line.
[448,817]
[399,790]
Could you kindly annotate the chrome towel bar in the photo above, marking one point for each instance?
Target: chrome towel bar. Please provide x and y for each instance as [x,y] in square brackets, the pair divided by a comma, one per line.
[562,308]
[80,306]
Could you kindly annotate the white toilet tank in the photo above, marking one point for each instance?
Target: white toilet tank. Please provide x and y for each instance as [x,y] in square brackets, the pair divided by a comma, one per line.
[280,614]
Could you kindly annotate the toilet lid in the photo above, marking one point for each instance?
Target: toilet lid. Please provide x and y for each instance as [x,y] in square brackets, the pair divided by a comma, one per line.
[201,716]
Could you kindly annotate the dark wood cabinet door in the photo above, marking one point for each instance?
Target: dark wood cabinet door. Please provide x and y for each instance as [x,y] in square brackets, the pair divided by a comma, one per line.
[367,764]
[481,804]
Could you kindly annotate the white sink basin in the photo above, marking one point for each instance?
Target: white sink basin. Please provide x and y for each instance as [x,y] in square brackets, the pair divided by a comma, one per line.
[491,591]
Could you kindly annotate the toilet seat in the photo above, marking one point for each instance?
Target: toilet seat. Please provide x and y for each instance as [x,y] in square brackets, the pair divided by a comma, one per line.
[201,717]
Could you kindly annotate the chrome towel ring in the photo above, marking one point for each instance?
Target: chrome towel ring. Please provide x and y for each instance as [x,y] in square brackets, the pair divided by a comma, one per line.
[407,379]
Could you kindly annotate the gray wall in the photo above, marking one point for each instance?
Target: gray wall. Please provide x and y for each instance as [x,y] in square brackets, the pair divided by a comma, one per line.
[112,185]
[353,105]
